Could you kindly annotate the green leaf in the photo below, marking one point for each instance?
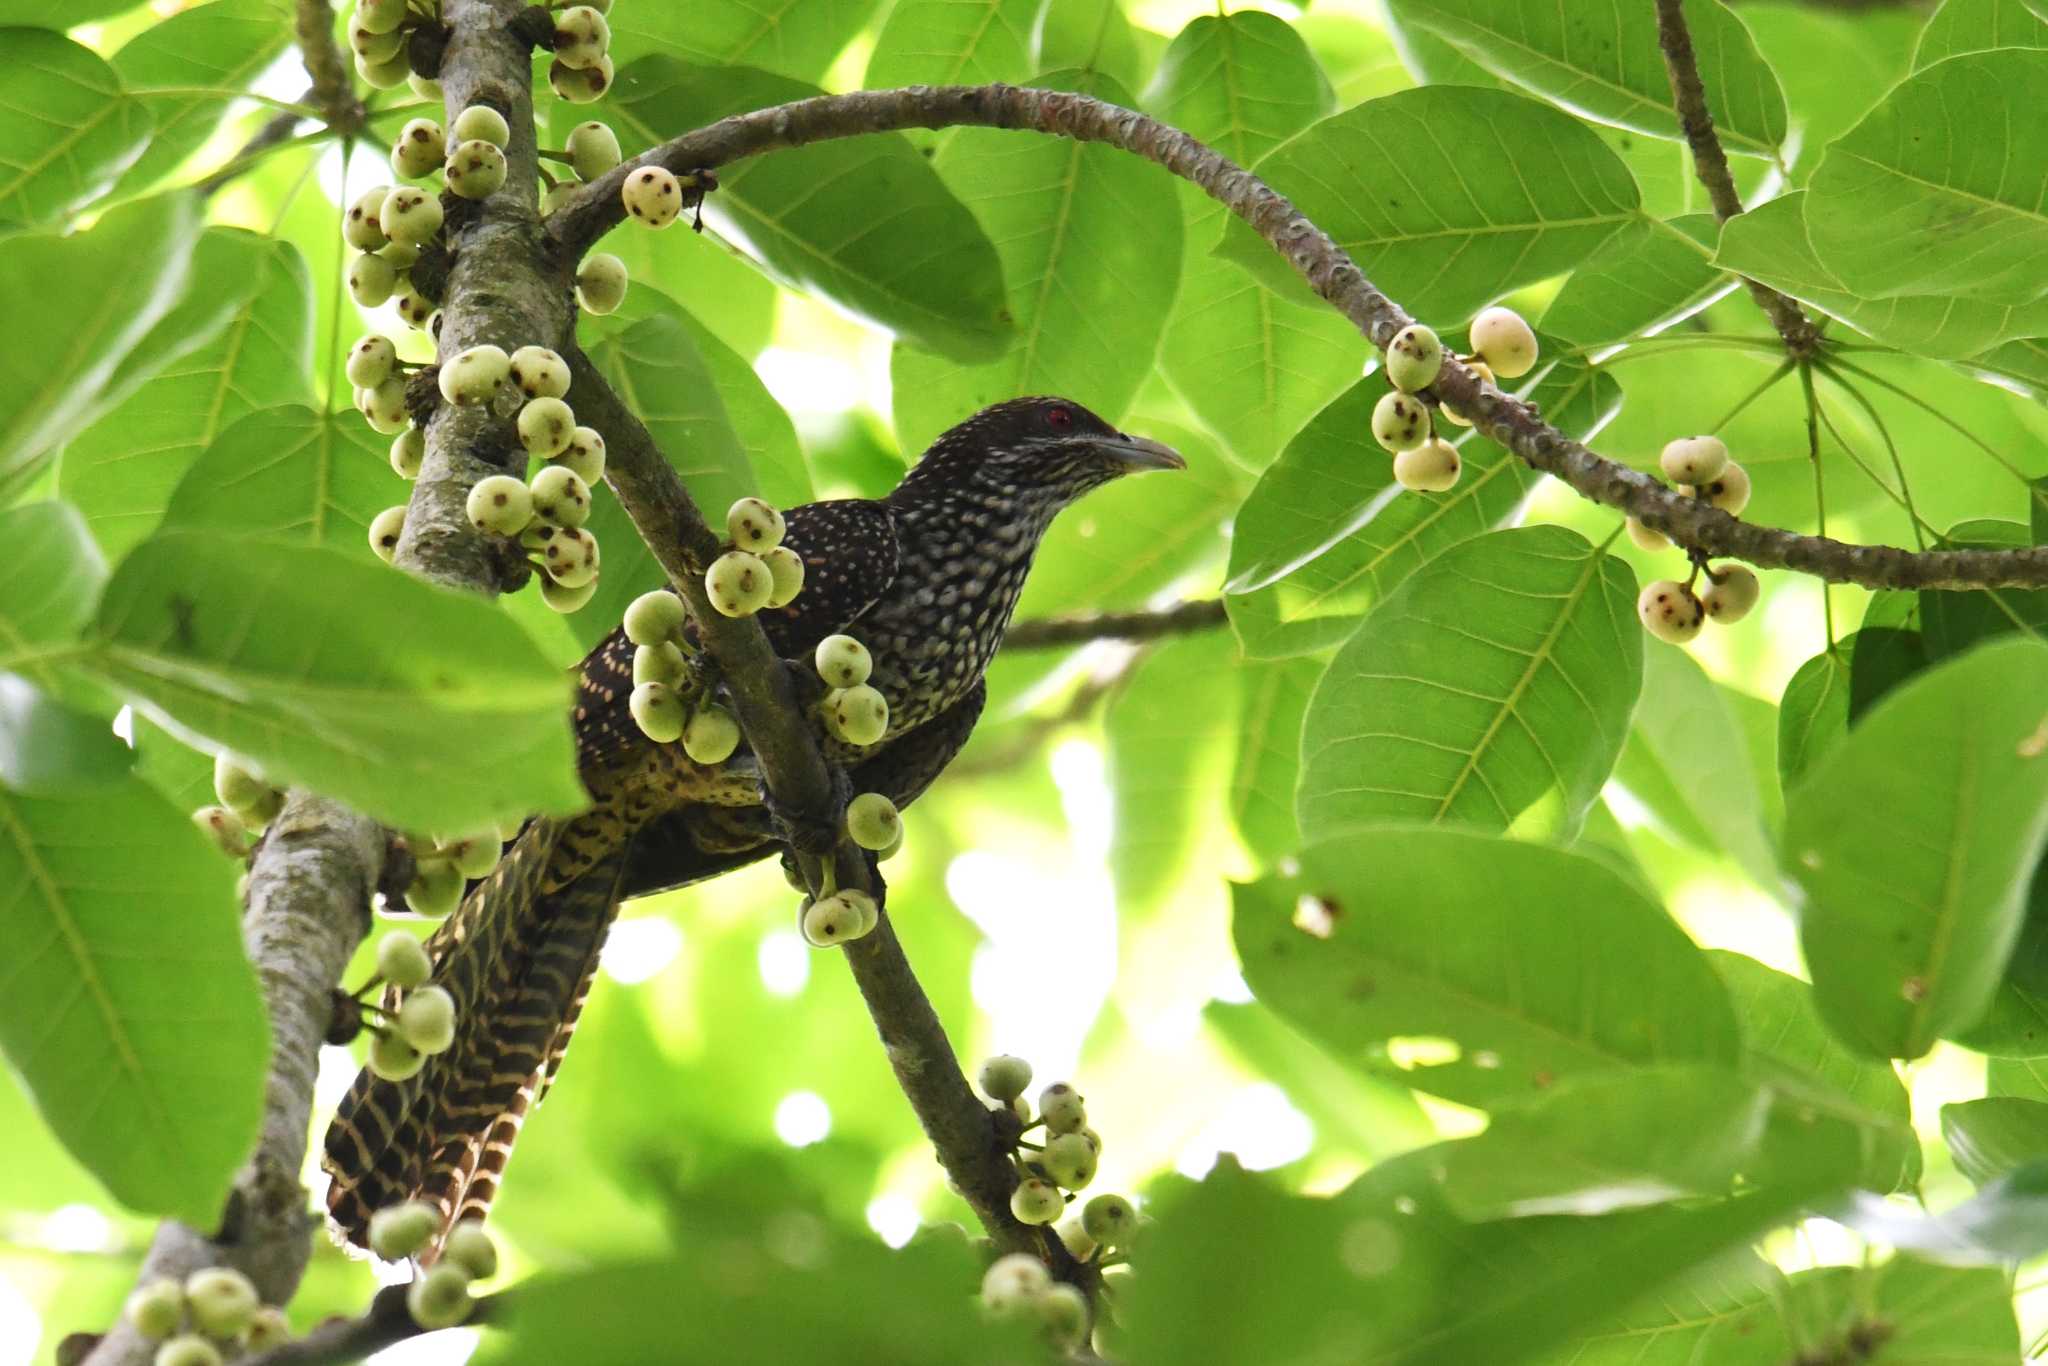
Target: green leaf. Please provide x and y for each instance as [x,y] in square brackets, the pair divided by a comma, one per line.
[224,45]
[1369,1116]
[48,749]
[1880,659]
[1086,35]
[108,888]
[952,42]
[1770,243]
[1813,715]
[1640,280]
[1788,1048]
[1091,251]
[171,766]
[1560,966]
[1601,59]
[1614,1140]
[67,129]
[2015,1026]
[1723,1311]
[226,273]
[1243,83]
[291,473]
[284,653]
[834,219]
[1271,704]
[1868,53]
[2004,1222]
[1687,762]
[1915,875]
[1163,733]
[39,13]
[2021,366]
[1476,208]
[1253,366]
[774,458]
[110,285]
[2026,1078]
[1386,1273]
[1326,536]
[1951,623]
[122,470]
[1359,57]
[657,369]
[1960,26]
[50,595]
[1940,189]
[796,38]
[1493,688]
[842,1297]
[1995,1137]
[1904,1312]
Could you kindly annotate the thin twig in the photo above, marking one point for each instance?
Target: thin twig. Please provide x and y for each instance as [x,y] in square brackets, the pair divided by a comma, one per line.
[1331,273]
[1710,163]
[1010,750]
[333,91]
[275,132]
[1053,633]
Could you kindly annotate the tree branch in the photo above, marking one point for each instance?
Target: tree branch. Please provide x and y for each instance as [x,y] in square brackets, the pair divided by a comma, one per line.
[386,1323]
[277,130]
[333,90]
[308,908]
[1053,633]
[504,287]
[1331,273]
[958,1124]
[1710,162]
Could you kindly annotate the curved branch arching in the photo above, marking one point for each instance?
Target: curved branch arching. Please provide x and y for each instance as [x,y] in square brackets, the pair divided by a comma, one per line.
[1332,274]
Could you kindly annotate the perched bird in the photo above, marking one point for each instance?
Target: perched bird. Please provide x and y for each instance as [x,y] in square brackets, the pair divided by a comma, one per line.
[926,578]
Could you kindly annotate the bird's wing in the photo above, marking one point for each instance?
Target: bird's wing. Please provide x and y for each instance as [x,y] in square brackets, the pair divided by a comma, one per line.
[673,850]
[849,550]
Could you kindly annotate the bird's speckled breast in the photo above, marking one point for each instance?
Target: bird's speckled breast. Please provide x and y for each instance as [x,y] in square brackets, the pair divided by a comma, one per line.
[963,561]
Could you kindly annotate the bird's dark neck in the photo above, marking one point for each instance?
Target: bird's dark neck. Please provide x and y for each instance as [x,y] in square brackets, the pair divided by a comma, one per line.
[939,519]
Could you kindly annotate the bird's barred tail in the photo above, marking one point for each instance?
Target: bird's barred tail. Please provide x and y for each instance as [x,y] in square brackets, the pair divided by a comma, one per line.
[517,957]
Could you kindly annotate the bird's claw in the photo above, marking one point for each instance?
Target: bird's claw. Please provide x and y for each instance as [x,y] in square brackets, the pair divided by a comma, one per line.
[807,832]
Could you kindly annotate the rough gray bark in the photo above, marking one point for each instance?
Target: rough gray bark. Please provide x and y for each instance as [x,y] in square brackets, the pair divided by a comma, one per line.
[308,907]
[504,287]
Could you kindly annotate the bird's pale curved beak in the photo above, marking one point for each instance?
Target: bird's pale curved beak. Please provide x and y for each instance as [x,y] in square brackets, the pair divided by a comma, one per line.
[1142,453]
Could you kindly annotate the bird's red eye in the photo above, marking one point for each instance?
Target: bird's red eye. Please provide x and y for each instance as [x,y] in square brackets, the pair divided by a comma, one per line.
[1059,417]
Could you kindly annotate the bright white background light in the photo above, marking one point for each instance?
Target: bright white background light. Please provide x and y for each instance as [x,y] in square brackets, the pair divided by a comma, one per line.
[802,1118]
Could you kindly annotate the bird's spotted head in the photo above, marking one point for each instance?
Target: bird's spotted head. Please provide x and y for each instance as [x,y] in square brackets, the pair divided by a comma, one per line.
[1040,450]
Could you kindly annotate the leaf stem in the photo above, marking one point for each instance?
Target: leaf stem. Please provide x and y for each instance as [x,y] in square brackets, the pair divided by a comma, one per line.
[304,111]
